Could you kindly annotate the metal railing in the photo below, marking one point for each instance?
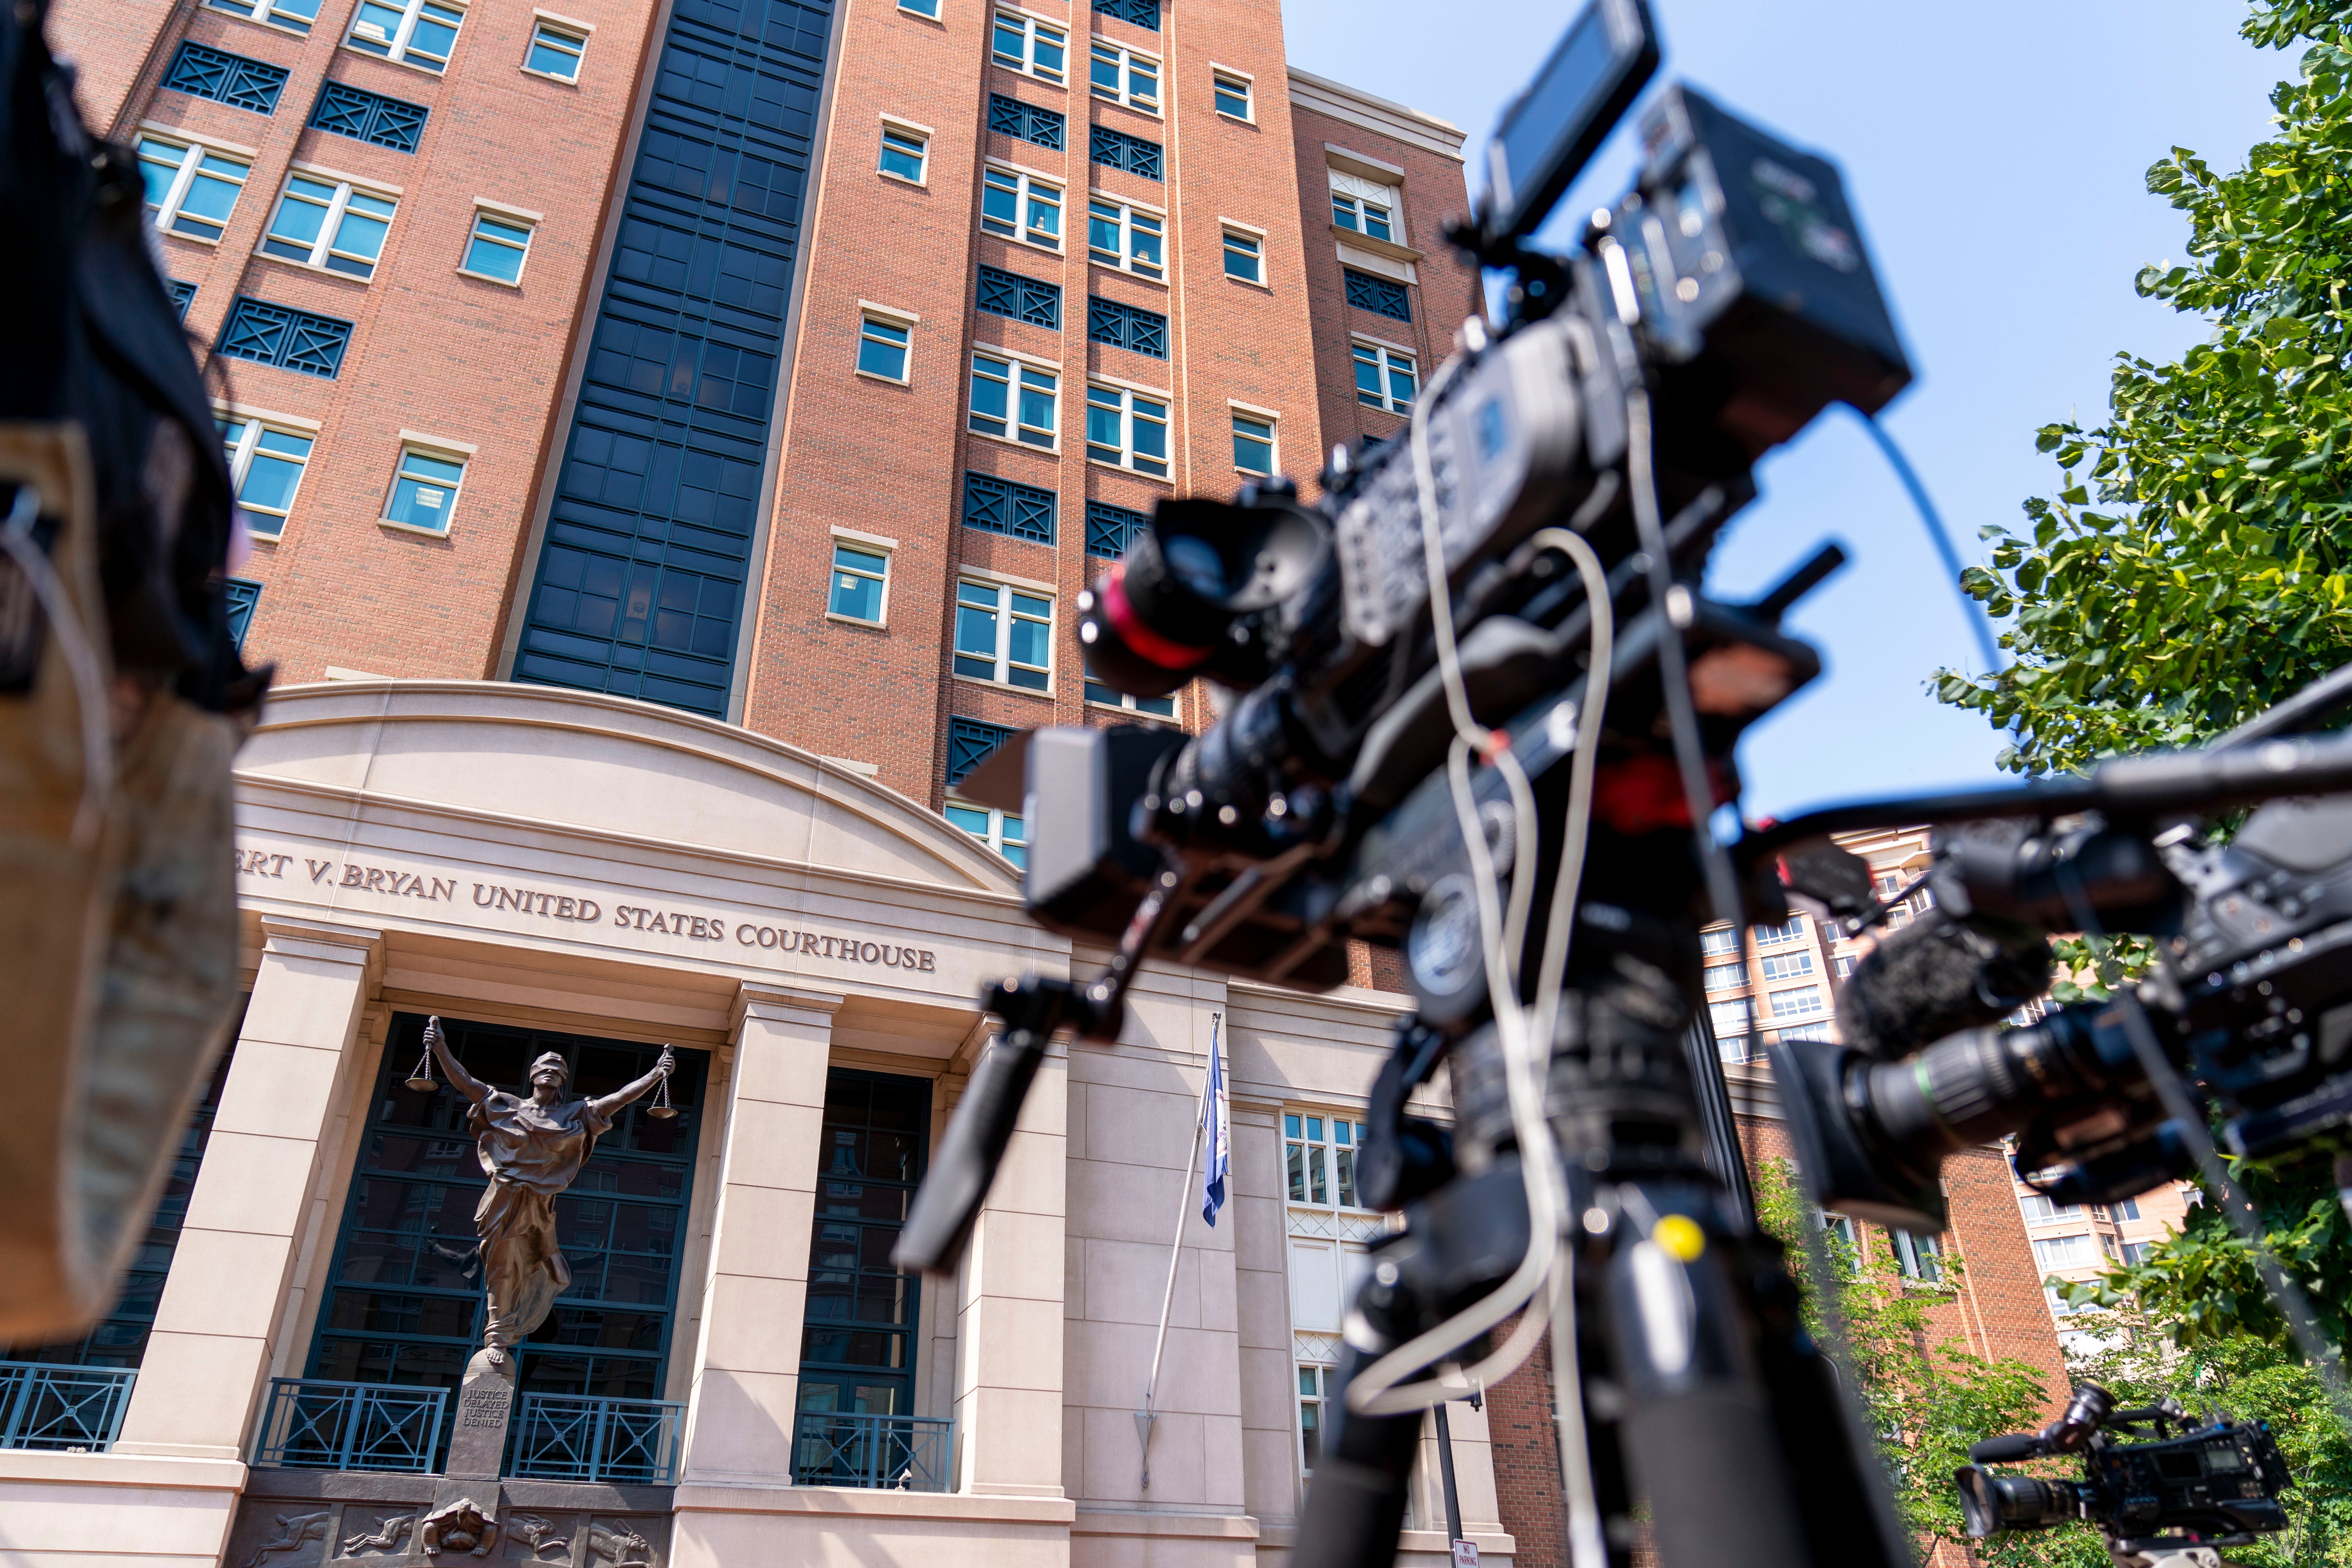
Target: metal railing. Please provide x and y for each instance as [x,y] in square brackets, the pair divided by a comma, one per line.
[566,1438]
[68,1408]
[315,1425]
[841,1449]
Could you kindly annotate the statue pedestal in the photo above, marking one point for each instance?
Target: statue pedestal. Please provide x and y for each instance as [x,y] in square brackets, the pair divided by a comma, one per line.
[485,1400]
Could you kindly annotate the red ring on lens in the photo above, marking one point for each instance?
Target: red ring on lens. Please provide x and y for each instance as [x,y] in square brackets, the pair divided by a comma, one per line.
[1145,643]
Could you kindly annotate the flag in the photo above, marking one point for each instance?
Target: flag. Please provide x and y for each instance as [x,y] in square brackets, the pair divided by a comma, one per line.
[1220,1148]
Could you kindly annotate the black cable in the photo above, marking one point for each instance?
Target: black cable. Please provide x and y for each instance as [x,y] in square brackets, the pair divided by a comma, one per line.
[1969,610]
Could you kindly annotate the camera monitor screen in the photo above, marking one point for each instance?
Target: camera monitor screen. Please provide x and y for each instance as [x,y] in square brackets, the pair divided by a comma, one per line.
[1551,130]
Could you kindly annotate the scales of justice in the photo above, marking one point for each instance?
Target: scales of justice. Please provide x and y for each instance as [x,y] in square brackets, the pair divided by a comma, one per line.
[532,1148]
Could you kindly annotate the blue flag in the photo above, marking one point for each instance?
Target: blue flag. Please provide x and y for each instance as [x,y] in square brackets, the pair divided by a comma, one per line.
[1219,1146]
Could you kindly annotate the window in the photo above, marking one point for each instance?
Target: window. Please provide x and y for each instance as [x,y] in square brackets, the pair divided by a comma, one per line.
[276,335]
[1793,930]
[1003,293]
[882,347]
[369,117]
[1118,149]
[1006,835]
[2135,1252]
[1021,207]
[1381,296]
[1385,378]
[1111,528]
[1725,976]
[969,741]
[1032,47]
[902,154]
[1008,116]
[1717,939]
[1015,511]
[496,247]
[1013,401]
[417,33]
[1312,1393]
[424,490]
[861,583]
[1319,1153]
[1844,965]
[2040,1210]
[322,223]
[928,9]
[1360,213]
[1127,327]
[1125,236]
[1128,428]
[2128,1209]
[183,296]
[1787,966]
[190,190]
[266,465]
[244,598]
[555,51]
[1233,94]
[1800,1002]
[1103,696]
[1119,75]
[1244,256]
[294,16]
[1253,443]
[1004,635]
[1142,13]
[226,79]
[2065,1252]
[1803,1032]
[1916,1256]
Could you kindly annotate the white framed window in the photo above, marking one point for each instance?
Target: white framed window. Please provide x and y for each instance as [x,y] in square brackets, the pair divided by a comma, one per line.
[1254,450]
[329,223]
[927,9]
[1004,634]
[2135,1252]
[1318,1157]
[1127,428]
[498,244]
[1916,1255]
[1798,1002]
[885,344]
[1245,255]
[1315,1390]
[1014,400]
[1732,1020]
[2051,1252]
[1719,940]
[1364,207]
[2039,1210]
[1102,696]
[1007,835]
[1229,92]
[859,588]
[1386,378]
[1119,75]
[420,32]
[1030,45]
[1845,1234]
[2128,1209]
[1844,965]
[265,461]
[1786,965]
[190,188]
[294,16]
[1017,205]
[425,489]
[1724,976]
[1125,236]
[1793,929]
[906,149]
[556,45]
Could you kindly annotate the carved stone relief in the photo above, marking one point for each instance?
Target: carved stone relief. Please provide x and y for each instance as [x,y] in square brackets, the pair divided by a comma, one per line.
[385,1540]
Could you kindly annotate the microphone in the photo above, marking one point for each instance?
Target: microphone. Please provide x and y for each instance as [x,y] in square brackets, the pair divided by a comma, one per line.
[1933,978]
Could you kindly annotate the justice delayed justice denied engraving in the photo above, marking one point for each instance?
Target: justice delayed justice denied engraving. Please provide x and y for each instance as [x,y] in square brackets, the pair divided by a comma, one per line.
[396,881]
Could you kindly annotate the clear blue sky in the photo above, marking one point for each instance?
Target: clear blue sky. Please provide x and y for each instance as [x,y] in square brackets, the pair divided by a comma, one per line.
[1996,153]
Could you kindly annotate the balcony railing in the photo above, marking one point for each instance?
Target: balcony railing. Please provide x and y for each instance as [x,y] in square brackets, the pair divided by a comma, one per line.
[564,1437]
[349,1425]
[72,1408]
[908,1453]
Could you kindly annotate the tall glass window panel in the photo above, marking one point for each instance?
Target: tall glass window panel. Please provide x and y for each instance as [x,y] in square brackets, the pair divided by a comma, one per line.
[1313,1393]
[1253,443]
[496,248]
[860,578]
[1159,707]
[1320,1158]
[294,16]
[420,33]
[1004,635]
[190,190]
[554,52]
[882,348]
[1129,239]
[1233,96]
[1015,205]
[1385,379]
[424,490]
[902,154]
[1013,400]
[1121,76]
[858,1341]
[1126,427]
[1024,44]
[1006,835]
[319,222]
[1244,256]
[265,466]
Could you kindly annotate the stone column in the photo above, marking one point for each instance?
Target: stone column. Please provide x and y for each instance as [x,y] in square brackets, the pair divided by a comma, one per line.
[1008,1401]
[209,1355]
[748,1354]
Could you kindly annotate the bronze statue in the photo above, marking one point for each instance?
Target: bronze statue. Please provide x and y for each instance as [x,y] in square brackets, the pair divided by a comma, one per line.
[532,1150]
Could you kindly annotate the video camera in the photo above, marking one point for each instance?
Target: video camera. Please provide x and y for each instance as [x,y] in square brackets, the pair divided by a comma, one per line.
[2200,1486]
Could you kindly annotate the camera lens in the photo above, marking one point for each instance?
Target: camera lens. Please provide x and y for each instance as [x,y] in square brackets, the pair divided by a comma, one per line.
[1992,1504]
[1973,1087]
[1153,621]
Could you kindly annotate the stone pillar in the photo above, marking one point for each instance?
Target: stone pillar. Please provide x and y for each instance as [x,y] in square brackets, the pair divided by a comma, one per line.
[747,1354]
[1008,1401]
[208,1358]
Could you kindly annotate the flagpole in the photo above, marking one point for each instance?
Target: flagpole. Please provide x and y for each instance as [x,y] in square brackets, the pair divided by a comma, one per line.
[1145,1416]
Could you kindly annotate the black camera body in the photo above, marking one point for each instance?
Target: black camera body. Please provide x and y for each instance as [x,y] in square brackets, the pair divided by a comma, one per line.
[2216,1484]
